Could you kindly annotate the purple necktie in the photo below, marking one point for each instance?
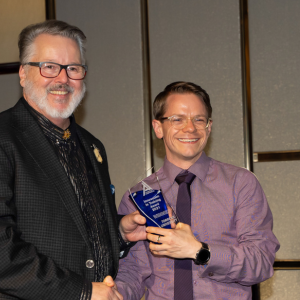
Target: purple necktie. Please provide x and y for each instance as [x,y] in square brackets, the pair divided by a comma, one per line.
[183,277]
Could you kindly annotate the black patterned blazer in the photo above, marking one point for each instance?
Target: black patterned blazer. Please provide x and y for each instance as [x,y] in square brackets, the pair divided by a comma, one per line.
[43,241]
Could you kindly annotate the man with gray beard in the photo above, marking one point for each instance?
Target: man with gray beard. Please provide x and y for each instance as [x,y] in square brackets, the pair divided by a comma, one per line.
[60,236]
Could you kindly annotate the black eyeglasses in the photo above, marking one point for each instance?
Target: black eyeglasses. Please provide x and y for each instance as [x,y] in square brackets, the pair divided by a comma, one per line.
[52,70]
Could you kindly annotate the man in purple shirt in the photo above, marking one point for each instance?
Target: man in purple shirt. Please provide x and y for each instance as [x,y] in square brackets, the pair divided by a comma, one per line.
[230,240]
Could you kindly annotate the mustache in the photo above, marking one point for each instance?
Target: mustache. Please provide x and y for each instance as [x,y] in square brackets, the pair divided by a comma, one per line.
[60,87]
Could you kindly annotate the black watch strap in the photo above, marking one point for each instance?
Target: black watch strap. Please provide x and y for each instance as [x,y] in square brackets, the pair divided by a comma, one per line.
[203,255]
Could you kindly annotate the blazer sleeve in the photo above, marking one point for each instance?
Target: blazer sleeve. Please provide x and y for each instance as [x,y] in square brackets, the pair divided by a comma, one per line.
[24,272]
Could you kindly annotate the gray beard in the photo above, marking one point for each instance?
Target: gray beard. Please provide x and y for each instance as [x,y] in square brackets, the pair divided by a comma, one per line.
[43,104]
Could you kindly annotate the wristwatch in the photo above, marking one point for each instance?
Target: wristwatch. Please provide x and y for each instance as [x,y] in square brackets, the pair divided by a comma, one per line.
[202,255]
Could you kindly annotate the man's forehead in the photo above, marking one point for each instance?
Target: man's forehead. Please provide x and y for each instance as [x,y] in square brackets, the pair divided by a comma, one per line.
[176,99]
[50,47]
[51,39]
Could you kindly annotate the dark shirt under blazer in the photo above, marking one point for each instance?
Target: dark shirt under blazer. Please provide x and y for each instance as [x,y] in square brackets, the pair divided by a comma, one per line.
[44,245]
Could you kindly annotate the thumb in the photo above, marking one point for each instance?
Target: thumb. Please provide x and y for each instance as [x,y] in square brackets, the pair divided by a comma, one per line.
[179,225]
[139,219]
[172,216]
[109,281]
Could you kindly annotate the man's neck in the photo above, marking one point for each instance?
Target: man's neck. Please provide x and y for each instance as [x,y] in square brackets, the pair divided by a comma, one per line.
[182,163]
[62,123]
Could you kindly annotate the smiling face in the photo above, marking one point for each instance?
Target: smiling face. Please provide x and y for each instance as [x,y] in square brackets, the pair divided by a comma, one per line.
[184,146]
[55,98]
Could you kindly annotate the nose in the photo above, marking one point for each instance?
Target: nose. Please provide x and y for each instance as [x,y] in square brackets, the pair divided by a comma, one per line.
[189,127]
[62,77]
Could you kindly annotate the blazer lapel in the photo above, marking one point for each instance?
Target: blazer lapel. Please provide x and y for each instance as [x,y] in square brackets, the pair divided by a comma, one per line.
[31,136]
[104,184]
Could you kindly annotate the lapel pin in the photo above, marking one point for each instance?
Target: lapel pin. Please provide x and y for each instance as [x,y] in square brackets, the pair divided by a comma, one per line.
[112,188]
[67,134]
[97,154]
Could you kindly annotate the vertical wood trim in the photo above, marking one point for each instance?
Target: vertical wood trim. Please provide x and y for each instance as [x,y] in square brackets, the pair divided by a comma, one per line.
[246,87]
[245,63]
[50,9]
[146,86]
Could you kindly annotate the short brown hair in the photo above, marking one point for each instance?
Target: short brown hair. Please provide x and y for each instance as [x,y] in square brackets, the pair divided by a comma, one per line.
[179,87]
[52,27]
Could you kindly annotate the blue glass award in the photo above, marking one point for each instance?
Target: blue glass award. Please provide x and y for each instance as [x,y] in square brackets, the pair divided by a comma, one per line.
[151,203]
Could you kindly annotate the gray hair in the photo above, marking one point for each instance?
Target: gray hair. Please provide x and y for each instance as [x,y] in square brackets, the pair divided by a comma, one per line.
[52,27]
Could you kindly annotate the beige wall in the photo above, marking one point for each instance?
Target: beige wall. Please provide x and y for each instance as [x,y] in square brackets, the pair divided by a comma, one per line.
[200,42]
[14,16]
[275,70]
[10,90]
[113,107]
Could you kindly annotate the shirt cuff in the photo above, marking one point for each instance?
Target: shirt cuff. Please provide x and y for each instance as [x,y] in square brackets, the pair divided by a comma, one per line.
[124,246]
[219,263]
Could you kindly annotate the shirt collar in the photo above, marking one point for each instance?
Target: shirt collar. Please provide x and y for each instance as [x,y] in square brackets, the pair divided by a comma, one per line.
[47,126]
[199,168]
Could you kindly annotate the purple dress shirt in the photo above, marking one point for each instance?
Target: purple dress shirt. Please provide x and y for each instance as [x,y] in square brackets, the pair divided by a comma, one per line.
[230,213]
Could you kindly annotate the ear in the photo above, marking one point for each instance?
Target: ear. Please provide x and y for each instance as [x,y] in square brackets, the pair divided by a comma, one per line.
[22,75]
[209,127]
[157,126]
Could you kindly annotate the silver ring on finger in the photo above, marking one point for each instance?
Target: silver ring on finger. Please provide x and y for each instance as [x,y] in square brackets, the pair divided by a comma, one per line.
[158,238]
